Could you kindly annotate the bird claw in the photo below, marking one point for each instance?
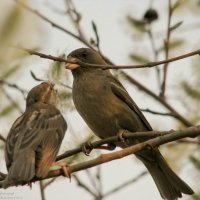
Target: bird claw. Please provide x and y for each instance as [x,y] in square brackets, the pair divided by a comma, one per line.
[65,168]
[120,136]
[87,148]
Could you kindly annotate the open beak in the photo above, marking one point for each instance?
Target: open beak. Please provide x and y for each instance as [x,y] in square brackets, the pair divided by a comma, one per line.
[71,66]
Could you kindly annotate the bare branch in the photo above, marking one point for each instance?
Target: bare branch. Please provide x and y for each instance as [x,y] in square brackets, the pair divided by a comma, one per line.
[167,136]
[166,43]
[162,138]
[123,185]
[42,190]
[2,138]
[49,182]
[14,103]
[24,92]
[158,113]
[150,64]
[84,186]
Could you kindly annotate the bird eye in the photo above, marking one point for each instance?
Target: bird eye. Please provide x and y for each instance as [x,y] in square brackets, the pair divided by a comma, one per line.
[84,55]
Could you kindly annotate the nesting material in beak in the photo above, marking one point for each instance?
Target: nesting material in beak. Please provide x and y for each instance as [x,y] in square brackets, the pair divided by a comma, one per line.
[71,66]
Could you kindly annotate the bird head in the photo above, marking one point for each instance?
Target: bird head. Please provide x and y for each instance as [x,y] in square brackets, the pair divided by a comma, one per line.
[44,93]
[81,57]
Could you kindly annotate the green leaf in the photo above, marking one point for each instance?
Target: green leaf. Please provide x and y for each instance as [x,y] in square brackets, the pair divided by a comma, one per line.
[190,90]
[35,77]
[94,27]
[196,162]
[63,95]
[140,25]
[175,26]
[7,110]
[173,44]
[179,4]
[139,59]
[176,4]
[10,71]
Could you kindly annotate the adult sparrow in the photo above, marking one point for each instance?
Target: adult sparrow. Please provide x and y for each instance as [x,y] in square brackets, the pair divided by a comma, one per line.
[107,108]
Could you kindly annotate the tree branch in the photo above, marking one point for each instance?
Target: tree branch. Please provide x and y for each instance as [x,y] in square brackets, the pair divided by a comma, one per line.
[163,137]
[84,186]
[158,113]
[166,44]
[123,185]
[24,92]
[42,190]
[150,64]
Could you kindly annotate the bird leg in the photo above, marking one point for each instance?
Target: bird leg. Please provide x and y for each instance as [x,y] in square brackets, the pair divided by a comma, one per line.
[65,168]
[87,148]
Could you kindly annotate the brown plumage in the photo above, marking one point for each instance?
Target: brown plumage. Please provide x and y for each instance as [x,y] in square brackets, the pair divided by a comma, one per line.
[107,108]
[35,137]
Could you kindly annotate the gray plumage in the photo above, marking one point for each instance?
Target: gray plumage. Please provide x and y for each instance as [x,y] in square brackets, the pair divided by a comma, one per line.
[107,108]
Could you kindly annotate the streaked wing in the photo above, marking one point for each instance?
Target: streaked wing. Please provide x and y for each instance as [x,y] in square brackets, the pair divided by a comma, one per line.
[38,125]
[11,140]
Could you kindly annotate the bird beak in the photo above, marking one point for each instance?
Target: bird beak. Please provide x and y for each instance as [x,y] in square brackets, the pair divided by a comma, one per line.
[72,66]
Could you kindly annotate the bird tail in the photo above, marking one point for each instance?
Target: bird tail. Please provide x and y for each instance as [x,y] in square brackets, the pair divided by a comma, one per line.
[168,183]
[22,170]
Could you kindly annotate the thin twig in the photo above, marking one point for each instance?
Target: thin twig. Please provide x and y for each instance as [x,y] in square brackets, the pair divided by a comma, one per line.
[42,190]
[158,113]
[100,185]
[155,52]
[84,186]
[13,102]
[150,64]
[24,92]
[42,55]
[49,182]
[75,18]
[91,178]
[125,184]
[166,44]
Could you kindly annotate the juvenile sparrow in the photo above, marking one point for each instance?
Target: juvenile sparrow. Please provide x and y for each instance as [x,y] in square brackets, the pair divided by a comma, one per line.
[35,137]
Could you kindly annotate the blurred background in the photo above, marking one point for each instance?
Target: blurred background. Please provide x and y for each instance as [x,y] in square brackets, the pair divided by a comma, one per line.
[126,32]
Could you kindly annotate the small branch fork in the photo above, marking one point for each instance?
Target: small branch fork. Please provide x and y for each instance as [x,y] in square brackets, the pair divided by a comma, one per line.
[157,138]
